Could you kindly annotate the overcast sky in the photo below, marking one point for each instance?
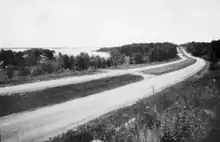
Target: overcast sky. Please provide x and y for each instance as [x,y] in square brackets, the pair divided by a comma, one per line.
[98,23]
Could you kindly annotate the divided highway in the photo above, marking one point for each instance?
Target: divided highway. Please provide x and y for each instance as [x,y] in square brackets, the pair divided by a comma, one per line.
[50,121]
[76,79]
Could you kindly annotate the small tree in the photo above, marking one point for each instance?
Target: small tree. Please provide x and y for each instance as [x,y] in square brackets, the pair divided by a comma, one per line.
[72,64]
[82,61]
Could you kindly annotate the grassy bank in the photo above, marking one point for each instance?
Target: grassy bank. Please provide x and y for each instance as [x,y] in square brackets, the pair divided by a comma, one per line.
[170,68]
[31,100]
[188,111]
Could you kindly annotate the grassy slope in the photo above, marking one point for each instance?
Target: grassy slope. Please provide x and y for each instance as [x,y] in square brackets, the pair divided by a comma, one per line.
[31,100]
[183,100]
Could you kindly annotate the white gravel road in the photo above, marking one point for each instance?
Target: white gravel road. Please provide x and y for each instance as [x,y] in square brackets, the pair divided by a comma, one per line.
[47,122]
[73,80]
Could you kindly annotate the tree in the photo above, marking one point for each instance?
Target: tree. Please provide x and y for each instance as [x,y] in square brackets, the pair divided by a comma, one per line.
[19,59]
[82,61]
[66,64]
[72,64]
[94,61]
[48,53]
[137,58]
[6,57]
[117,57]
[214,51]
[47,67]
[33,56]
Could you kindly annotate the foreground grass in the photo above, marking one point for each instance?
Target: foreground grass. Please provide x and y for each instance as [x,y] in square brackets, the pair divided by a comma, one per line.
[21,102]
[43,77]
[189,111]
[170,68]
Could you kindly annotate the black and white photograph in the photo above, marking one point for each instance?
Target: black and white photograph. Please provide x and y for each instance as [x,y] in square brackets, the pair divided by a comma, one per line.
[109,71]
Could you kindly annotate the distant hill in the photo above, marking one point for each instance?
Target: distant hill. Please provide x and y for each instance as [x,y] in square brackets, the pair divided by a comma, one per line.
[141,48]
[158,51]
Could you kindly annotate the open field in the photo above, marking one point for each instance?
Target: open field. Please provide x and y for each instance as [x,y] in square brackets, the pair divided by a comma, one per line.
[170,68]
[26,101]
[185,97]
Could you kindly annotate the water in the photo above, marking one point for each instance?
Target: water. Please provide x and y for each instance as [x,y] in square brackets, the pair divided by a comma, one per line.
[68,51]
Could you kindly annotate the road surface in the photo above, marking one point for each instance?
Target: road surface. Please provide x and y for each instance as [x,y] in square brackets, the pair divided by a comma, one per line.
[76,79]
[50,121]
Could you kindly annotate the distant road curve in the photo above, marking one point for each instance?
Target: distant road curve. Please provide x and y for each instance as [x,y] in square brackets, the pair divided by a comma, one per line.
[40,124]
[75,79]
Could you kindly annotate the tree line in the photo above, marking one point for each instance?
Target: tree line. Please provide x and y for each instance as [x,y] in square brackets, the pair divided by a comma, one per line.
[146,52]
[37,61]
[209,51]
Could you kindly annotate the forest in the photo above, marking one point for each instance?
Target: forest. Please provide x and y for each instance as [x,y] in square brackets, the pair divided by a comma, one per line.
[38,61]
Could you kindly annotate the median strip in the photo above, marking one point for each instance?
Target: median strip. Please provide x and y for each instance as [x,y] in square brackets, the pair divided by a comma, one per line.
[19,102]
[169,68]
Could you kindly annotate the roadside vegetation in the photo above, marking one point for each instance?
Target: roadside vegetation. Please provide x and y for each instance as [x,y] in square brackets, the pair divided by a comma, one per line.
[186,112]
[19,102]
[43,64]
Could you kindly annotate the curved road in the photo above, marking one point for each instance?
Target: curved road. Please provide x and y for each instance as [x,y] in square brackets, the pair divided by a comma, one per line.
[50,121]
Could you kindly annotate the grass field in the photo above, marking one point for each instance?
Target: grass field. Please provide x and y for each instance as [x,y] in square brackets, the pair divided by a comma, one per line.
[180,115]
[170,68]
[31,100]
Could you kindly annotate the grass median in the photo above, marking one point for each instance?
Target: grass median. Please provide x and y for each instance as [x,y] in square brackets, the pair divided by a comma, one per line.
[132,66]
[170,68]
[31,100]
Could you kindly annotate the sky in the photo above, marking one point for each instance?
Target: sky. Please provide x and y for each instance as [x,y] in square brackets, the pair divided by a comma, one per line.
[104,23]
